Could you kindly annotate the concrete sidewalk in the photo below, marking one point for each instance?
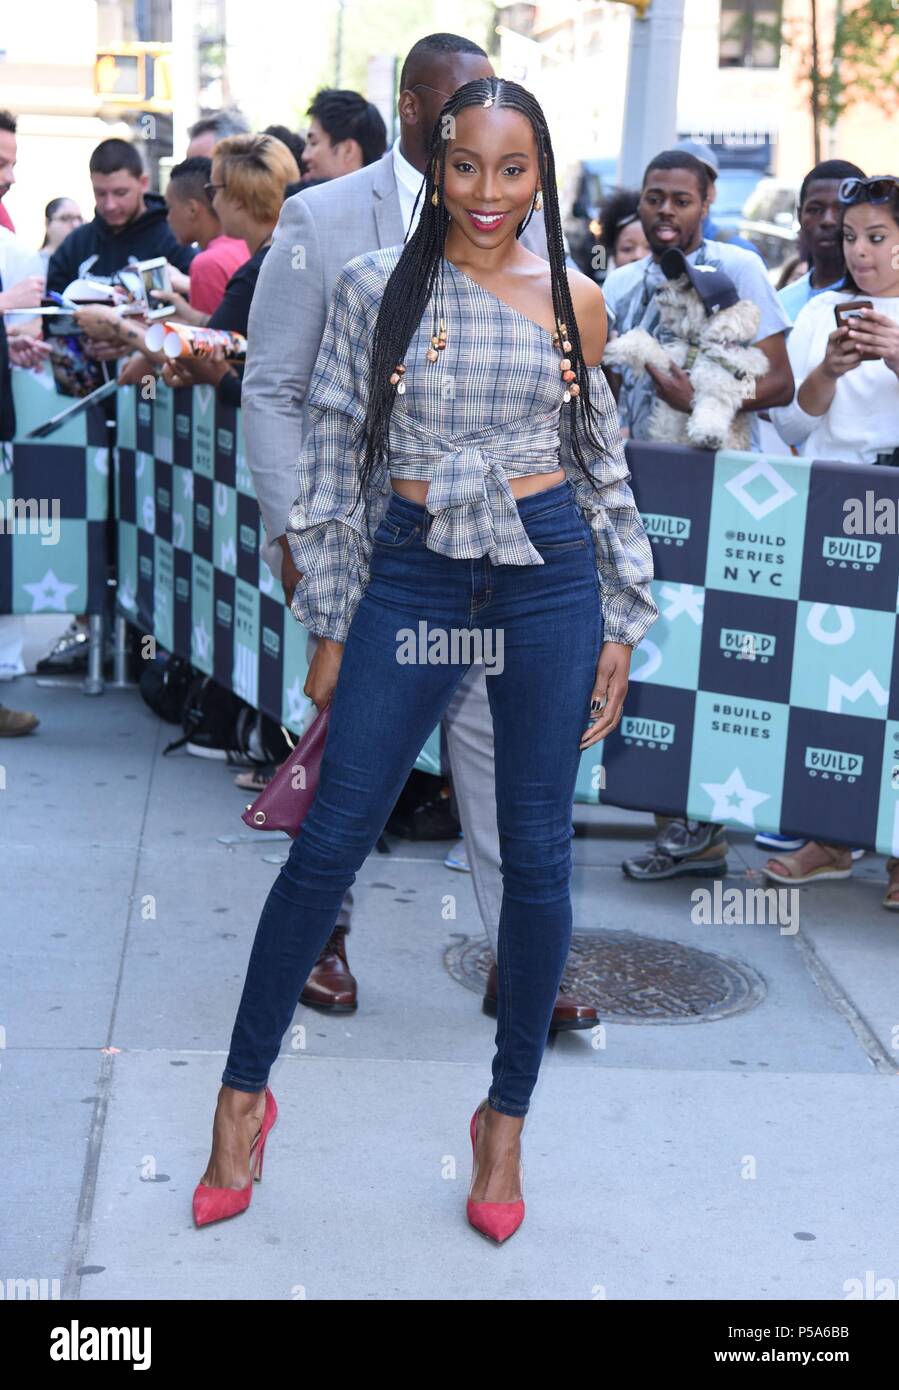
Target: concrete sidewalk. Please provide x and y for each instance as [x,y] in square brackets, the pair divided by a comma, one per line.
[746,1158]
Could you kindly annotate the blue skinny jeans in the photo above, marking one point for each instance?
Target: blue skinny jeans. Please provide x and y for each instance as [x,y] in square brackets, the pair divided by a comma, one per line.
[541,633]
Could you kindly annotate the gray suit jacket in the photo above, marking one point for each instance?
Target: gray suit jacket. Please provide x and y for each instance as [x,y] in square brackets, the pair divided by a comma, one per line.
[319,230]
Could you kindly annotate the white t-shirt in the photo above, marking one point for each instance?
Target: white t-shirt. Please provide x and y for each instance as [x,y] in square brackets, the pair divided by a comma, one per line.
[863,418]
[17,262]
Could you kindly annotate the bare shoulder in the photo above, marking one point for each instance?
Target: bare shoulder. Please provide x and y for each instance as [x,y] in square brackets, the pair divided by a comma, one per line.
[590,310]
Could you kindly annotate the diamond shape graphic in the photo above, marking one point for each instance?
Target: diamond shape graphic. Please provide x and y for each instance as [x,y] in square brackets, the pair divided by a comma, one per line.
[760,468]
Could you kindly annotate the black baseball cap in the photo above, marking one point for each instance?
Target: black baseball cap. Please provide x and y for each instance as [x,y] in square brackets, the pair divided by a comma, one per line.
[716,289]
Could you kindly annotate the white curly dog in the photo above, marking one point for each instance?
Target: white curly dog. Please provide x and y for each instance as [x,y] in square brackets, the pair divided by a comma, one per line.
[716,351]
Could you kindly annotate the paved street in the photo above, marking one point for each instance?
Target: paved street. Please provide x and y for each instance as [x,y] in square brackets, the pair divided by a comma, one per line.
[750,1157]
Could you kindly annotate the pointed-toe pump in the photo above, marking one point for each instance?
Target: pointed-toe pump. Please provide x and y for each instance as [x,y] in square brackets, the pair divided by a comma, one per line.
[218,1203]
[496,1220]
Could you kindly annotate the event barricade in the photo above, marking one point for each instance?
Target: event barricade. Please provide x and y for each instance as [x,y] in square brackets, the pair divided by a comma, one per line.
[53,506]
[764,697]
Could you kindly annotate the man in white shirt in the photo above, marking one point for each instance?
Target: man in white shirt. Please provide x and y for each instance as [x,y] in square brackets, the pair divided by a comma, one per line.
[21,287]
[320,229]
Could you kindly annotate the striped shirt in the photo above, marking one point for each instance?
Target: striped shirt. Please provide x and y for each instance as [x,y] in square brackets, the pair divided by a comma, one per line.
[488,409]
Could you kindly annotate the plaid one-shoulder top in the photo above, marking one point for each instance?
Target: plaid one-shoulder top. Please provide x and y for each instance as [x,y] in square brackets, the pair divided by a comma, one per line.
[488,409]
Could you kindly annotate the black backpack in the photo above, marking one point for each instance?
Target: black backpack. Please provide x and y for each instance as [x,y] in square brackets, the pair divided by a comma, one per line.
[221,719]
[164,684]
[207,709]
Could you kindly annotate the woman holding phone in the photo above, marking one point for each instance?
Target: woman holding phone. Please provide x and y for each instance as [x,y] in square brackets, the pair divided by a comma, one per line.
[463,472]
[845,359]
[844,351]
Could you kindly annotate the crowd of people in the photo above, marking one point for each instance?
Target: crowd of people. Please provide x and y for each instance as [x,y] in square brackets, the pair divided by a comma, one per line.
[235,209]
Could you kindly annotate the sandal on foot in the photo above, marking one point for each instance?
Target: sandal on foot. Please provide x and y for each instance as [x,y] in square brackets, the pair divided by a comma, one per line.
[254,779]
[795,874]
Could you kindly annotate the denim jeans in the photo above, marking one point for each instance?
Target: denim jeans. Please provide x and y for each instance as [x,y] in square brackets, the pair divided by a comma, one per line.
[548,620]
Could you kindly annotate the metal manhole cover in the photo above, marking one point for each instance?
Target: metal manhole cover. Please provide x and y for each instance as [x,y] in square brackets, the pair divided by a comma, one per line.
[634,979]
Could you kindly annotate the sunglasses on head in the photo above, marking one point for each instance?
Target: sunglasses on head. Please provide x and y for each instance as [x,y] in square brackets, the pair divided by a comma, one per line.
[879,189]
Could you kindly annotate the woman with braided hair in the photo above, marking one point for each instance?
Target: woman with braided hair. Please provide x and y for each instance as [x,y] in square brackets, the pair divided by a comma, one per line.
[463,491]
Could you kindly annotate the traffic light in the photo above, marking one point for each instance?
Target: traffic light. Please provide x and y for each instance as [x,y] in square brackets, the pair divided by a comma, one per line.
[135,74]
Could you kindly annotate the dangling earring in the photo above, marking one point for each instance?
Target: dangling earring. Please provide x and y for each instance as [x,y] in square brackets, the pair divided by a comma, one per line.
[434,199]
[538,200]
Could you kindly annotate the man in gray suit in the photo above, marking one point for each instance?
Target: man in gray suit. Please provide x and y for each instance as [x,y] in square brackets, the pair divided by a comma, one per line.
[320,229]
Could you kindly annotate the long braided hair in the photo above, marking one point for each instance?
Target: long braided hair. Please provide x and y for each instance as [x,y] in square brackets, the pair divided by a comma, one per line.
[417,278]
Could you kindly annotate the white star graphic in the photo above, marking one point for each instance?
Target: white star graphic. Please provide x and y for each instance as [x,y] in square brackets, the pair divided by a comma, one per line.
[723,795]
[682,598]
[201,640]
[187,483]
[49,592]
[297,704]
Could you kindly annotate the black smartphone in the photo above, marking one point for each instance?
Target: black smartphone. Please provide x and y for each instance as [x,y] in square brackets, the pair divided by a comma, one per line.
[845,313]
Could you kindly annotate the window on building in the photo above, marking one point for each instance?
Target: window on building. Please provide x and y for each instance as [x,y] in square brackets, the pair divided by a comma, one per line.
[750,34]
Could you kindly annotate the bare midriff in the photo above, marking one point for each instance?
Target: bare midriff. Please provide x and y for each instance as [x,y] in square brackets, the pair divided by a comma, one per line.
[416,489]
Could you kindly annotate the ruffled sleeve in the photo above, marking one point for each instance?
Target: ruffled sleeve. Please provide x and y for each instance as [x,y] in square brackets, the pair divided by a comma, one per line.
[326,528]
[623,553]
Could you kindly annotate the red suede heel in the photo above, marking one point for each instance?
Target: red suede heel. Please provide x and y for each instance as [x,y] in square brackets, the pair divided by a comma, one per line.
[218,1203]
[496,1220]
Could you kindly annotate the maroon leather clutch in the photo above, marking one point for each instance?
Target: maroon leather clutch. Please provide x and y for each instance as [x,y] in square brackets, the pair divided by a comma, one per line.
[284,803]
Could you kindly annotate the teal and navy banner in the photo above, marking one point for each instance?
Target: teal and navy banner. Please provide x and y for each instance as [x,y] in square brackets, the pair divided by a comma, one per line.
[190,570]
[53,506]
[766,695]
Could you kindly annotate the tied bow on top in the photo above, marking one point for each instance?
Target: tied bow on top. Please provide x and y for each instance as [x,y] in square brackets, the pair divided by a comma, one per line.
[468,482]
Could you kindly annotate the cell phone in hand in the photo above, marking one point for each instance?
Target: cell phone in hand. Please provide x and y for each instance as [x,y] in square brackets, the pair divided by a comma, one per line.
[140,278]
[845,314]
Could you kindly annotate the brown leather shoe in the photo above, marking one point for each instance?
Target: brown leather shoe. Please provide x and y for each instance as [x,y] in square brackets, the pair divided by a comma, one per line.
[331,985]
[567,1013]
[14,722]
